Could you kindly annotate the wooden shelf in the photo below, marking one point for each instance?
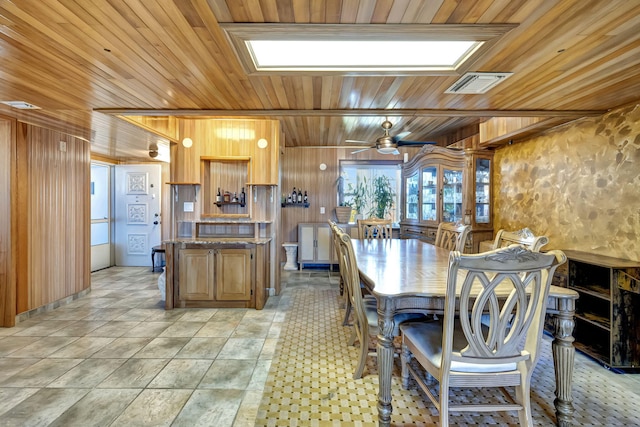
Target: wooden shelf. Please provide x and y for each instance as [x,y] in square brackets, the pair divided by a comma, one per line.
[230,203]
[599,321]
[597,293]
[594,353]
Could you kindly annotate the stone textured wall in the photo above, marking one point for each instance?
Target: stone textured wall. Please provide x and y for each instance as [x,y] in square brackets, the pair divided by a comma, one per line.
[578,184]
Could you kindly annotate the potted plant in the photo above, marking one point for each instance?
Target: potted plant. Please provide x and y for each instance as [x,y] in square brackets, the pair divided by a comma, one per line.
[381,196]
[359,196]
[343,213]
[343,210]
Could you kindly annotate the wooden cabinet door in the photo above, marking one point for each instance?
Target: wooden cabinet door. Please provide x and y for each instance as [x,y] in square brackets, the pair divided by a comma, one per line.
[233,274]
[196,275]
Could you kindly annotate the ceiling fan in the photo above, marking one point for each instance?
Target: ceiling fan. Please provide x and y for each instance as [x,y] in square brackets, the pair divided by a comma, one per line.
[388,144]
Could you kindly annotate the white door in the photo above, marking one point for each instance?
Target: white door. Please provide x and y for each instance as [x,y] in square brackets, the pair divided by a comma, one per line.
[137,213]
[100,216]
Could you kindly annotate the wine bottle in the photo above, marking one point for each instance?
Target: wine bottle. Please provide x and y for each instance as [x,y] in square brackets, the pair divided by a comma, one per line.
[235,197]
[243,197]
[306,199]
[294,196]
[219,196]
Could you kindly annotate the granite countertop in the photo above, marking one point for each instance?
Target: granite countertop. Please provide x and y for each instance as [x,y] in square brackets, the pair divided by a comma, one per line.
[219,240]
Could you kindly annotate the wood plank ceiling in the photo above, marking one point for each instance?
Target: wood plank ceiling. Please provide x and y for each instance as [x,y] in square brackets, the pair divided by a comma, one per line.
[73,57]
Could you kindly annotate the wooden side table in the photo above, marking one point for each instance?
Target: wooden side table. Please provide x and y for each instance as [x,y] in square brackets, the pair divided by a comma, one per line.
[156,249]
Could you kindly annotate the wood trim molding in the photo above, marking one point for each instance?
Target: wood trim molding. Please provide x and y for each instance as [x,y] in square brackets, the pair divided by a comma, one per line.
[273,114]
[8,185]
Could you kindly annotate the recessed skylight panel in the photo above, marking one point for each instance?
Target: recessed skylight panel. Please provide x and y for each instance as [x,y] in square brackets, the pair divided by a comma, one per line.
[359,55]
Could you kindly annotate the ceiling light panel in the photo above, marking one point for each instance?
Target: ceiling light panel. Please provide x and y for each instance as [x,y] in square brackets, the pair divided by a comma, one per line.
[359,55]
[361,49]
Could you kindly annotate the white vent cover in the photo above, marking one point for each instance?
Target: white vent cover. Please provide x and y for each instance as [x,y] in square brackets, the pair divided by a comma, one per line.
[20,105]
[477,82]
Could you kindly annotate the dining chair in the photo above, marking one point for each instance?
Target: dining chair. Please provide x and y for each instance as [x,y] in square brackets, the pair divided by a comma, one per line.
[365,310]
[374,228]
[344,291]
[511,285]
[523,237]
[452,236]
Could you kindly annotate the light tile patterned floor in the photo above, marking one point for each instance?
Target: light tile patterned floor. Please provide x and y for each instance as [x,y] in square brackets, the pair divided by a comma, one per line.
[116,358]
[310,382]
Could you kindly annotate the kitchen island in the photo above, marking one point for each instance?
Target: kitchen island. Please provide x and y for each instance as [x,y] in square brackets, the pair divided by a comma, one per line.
[229,272]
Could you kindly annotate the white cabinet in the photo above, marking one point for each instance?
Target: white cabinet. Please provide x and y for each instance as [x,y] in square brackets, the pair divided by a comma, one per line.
[315,245]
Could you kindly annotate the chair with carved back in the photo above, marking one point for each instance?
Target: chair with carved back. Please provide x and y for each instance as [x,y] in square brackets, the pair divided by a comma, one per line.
[374,228]
[524,237]
[365,310]
[335,230]
[511,286]
[452,236]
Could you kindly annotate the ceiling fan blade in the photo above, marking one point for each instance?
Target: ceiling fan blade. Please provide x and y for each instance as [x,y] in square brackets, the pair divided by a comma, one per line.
[400,143]
[363,149]
[401,135]
[359,141]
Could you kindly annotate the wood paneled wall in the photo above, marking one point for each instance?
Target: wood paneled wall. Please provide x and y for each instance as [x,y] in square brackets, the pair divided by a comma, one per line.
[301,169]
[227,137]
[7,222]
[53,224]
[577,184]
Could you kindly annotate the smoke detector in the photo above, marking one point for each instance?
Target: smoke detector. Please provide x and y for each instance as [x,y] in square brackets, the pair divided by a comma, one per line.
[475,83]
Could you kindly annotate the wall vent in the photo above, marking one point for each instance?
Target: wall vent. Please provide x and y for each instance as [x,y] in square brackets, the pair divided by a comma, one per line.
[20,105]
[477,82]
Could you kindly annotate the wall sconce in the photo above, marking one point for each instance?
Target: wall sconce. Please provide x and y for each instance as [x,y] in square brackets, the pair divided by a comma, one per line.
[262,143]
[323,166]
[187,142]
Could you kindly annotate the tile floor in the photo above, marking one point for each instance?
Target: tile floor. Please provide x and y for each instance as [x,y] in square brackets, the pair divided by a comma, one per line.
[116,358]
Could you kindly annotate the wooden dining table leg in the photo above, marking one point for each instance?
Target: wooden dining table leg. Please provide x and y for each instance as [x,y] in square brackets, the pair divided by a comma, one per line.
[385,352]
[563,361]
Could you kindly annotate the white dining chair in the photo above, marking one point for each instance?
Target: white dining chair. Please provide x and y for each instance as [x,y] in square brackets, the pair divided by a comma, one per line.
[452,236]
[524,237]
[511,286]
[365,311]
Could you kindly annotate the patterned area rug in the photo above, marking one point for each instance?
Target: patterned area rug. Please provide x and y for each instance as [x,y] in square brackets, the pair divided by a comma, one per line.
[311,383]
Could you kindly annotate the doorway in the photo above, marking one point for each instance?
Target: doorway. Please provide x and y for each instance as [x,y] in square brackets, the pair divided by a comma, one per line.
[100,216]
[137,213]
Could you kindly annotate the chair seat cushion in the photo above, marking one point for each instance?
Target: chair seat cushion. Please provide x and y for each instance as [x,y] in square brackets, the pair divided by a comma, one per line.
[427,338]
[372,317]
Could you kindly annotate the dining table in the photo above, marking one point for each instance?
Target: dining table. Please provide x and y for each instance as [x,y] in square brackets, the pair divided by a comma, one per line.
[409,275]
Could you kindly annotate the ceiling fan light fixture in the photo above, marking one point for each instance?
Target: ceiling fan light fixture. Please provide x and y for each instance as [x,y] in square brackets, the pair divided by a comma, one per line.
[387,150]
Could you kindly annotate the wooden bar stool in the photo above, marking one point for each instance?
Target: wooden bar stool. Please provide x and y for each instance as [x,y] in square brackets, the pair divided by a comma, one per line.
[156,249]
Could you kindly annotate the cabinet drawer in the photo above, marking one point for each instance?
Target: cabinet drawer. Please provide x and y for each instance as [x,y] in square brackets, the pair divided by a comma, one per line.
[427,234]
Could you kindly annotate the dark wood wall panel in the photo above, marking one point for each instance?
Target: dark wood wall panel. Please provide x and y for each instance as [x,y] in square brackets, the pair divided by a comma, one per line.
[53,176]
[7,271]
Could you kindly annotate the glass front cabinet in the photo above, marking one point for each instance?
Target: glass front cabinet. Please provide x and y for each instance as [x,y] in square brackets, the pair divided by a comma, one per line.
[447,185]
